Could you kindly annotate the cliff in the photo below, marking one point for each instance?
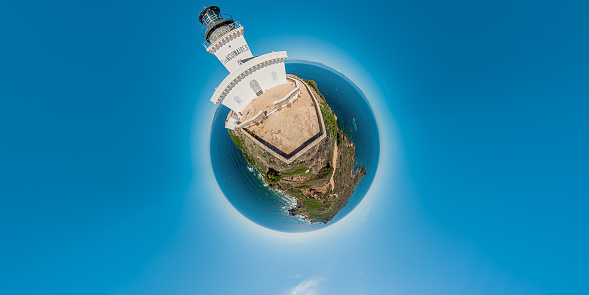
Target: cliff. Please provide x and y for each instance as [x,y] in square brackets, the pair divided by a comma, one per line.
[322,179]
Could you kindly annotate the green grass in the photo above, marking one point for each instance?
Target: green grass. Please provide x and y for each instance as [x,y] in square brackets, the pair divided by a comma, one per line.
[313,208]
[236,140]
[311,205]
[329,119]
[295,171]
[314,86]
[295,193]
[316,210]
[328,116]
[325,171]
[304,186]
[273,178]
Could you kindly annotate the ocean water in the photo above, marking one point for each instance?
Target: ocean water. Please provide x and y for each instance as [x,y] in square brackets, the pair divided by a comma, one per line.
[244,187]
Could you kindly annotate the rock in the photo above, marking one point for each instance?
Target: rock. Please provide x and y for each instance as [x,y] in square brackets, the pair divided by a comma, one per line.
[309,177]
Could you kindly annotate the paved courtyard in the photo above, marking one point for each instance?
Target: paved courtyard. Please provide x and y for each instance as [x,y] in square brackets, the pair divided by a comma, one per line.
[288,128]
[265,101]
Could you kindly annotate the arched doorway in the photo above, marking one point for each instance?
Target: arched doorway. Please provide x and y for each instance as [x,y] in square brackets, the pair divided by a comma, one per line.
[256,87]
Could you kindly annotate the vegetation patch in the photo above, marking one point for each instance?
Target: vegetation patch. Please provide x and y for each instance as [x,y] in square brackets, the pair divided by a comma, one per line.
[317,200]
[239,143]
[296,193]
[329,119]
[321,177]
[310,205]
[236,140]
[274,176]
[326,112]
[314,86]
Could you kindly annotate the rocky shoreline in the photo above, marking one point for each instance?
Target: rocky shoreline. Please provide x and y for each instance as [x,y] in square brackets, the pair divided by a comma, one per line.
[322,179]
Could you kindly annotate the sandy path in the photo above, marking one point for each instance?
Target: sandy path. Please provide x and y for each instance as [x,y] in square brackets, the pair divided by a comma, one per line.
[334,166]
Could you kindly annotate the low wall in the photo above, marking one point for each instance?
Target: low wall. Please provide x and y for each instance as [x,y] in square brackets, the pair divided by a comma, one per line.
[290,96]
[313,141]
[253,120]
[322,124]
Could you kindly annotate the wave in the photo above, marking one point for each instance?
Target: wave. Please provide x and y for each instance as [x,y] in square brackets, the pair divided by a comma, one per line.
[246,188]
[289,201]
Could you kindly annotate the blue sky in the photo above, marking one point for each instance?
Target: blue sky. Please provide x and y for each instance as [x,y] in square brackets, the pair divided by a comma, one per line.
[105,179]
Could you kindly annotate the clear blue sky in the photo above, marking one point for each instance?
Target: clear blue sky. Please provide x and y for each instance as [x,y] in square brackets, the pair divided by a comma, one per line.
[105,179]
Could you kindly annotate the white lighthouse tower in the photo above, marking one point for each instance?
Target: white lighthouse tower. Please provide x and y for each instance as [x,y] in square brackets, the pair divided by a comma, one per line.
[249,76]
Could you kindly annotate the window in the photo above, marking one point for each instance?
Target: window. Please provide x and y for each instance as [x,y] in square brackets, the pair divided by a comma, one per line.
[237,99]
[274,76]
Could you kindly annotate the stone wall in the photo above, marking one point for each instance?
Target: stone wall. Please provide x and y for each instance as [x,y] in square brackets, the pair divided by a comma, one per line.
[292,95]
[307,146]
[253,120]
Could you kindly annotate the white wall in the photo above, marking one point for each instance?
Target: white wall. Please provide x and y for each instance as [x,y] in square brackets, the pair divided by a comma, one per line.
[231,123]
[243,90]
[232,51]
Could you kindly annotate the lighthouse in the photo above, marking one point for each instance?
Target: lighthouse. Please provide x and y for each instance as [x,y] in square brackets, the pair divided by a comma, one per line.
[249,76]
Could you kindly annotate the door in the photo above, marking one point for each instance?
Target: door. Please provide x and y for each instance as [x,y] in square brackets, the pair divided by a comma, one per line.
[256,87]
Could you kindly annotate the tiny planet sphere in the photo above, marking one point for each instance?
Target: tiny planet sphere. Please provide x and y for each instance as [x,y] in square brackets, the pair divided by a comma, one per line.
[295,159]
[300,199]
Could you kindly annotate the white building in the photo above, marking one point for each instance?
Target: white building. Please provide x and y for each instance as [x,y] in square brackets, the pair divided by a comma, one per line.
[249,76]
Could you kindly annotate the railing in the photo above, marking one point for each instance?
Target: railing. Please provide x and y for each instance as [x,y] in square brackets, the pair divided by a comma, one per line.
[253,120]
[288,98]
[206,44]
[303,148]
